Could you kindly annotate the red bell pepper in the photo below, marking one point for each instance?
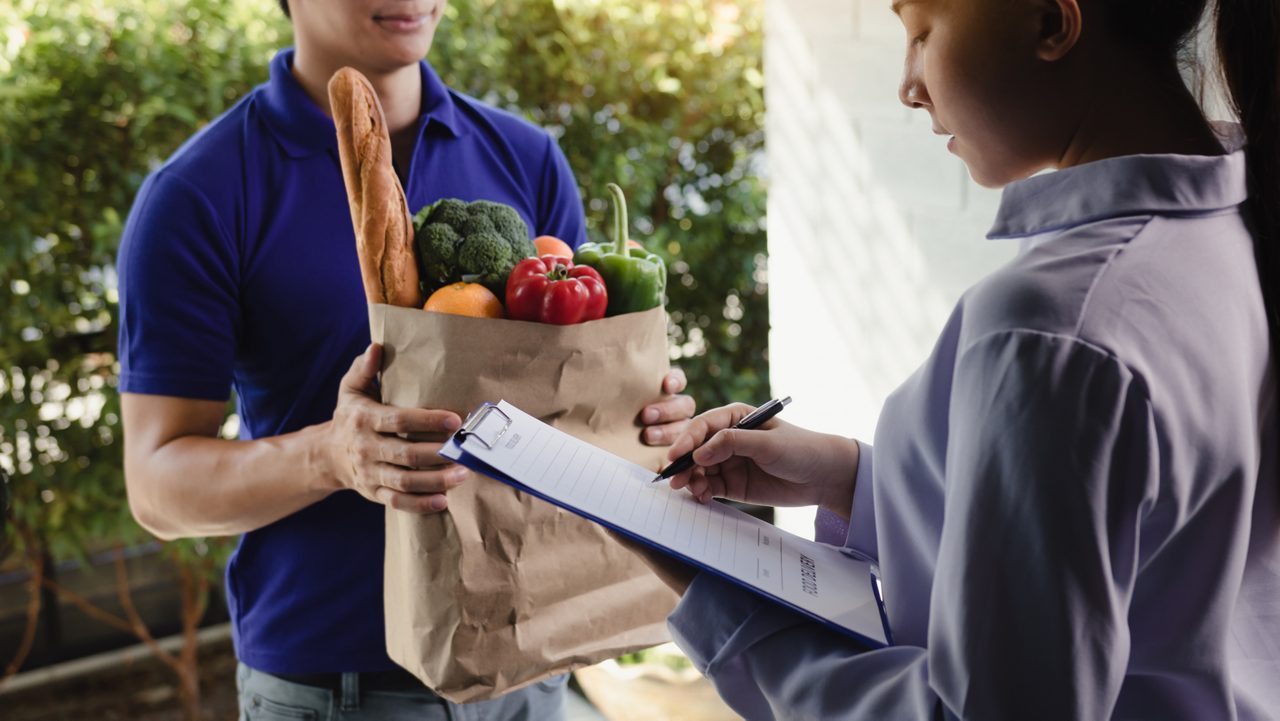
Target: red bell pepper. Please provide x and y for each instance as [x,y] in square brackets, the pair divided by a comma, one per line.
[551,289]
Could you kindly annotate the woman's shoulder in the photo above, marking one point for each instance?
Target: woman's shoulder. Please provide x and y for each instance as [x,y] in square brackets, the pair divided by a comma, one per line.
[1047,287]
[1155,291]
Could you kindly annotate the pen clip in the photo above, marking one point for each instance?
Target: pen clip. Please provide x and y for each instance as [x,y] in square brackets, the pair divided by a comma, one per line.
[767,407]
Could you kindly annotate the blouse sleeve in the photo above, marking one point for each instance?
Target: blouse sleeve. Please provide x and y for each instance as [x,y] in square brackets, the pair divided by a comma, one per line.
[1051,463]
[859,533]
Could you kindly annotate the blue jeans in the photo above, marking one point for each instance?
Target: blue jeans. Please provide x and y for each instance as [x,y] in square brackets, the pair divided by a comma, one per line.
[264,697]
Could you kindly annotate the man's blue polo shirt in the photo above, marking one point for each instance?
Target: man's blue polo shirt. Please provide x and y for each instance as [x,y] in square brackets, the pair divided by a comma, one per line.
[238,268]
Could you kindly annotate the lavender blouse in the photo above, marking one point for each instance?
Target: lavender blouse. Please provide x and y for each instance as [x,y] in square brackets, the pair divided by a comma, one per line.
[1074,502]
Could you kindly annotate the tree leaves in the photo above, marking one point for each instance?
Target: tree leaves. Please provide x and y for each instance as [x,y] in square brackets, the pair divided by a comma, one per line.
[662,96]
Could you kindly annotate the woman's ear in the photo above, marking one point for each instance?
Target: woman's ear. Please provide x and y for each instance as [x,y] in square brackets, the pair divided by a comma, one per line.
[1060,24]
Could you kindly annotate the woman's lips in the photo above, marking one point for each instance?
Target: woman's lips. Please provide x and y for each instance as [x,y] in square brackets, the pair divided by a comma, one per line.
[951,140]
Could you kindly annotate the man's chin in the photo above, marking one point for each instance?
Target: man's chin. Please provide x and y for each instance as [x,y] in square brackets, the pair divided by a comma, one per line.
[396,55]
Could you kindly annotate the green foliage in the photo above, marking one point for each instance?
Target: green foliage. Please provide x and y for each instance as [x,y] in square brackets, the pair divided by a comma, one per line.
[666,655]
[93,95]
[663,97]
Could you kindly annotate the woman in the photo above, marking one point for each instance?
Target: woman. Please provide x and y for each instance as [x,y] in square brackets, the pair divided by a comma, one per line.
[1074,502]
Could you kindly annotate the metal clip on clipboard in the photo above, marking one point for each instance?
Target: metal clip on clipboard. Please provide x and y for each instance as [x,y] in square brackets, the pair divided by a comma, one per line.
[473,426]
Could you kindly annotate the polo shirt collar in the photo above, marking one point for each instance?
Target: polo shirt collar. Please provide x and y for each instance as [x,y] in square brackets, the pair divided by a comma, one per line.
[303,129]
[1124,186]
[438,107]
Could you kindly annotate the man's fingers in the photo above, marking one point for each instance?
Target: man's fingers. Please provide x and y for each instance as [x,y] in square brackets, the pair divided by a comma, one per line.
[664,434]
[361,377]
[399,452]
[675,382]
[437,438]
[412,502]
[389,419]
[675,408]
[406,481]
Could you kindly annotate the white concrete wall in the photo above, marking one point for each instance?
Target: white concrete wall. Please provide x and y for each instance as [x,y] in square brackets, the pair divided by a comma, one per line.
[874,228]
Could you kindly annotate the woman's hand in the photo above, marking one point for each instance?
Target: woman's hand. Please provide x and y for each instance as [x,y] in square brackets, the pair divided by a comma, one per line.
[778,464]
[367,454]
[666,419]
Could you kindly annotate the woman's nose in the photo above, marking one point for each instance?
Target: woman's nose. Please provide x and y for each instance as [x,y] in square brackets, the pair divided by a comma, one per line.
[911,91]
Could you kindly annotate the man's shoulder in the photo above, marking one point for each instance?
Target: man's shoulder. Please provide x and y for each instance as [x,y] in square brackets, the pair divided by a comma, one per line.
[217,151]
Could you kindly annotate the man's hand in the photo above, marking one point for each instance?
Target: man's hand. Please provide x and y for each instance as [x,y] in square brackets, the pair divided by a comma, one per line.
[668,418]
[368,455]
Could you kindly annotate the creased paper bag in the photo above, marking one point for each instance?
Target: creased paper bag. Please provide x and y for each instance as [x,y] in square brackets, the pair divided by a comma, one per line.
[504,590]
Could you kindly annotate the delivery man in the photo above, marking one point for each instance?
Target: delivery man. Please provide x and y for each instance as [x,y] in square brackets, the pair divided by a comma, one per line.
[238,268]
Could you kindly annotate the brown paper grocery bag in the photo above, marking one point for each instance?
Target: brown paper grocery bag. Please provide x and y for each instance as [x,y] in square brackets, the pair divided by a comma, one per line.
[504,590]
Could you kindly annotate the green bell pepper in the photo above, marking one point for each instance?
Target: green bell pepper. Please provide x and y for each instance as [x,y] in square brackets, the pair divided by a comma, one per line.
[635,279]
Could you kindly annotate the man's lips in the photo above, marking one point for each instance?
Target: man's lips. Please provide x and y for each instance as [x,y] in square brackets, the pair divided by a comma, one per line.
[402,23]
[407,19]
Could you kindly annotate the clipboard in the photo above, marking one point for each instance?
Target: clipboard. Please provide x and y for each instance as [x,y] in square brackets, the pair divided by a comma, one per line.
[830,585]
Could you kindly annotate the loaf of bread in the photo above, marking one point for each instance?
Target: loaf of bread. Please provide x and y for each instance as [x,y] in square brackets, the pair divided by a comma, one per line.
[379,211]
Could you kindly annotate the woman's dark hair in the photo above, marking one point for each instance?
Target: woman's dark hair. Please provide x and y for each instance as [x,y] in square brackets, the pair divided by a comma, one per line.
[1248,40]
[1248,35]
[284,5]
[1249,50]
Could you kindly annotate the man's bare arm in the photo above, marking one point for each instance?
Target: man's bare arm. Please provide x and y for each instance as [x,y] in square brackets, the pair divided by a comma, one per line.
[184,481]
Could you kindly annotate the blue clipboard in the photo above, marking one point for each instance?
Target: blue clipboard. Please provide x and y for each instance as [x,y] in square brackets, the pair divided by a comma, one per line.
[472,428]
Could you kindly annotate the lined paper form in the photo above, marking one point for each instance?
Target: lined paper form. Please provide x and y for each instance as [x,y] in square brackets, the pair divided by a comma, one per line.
[816,579]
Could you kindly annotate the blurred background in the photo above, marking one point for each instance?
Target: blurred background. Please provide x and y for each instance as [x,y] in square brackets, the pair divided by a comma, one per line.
[714,115]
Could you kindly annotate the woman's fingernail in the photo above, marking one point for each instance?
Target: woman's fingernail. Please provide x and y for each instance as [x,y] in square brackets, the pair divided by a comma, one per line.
[452,423]
[650,415]
[458,475]
[438,503]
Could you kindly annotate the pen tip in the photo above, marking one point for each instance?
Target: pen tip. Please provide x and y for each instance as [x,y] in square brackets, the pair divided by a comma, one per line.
[656,478]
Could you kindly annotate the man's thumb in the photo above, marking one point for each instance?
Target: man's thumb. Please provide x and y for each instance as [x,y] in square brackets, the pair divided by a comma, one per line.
[364,370]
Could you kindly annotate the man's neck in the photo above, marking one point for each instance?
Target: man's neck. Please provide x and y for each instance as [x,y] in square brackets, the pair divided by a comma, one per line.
[399,91]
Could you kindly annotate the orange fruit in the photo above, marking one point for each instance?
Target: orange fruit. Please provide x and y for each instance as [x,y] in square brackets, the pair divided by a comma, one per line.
[551,245]
[470,299]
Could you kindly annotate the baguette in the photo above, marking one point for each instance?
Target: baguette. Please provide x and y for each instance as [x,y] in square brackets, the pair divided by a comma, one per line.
[379,210]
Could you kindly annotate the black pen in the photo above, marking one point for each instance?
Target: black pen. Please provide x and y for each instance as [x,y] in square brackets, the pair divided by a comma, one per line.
[754,419]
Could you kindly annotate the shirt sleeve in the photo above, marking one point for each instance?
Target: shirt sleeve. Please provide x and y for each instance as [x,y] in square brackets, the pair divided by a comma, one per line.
[1051,463]
[560,211]
[859,533]
[178,294]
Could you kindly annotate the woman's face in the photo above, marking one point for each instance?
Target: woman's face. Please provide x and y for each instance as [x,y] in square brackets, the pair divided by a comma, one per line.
[973,66]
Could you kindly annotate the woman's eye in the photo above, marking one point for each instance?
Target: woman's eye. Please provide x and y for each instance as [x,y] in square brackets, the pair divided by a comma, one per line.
[919,39]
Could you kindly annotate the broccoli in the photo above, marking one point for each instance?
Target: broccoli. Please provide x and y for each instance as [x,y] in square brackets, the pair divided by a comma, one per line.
[480,241]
